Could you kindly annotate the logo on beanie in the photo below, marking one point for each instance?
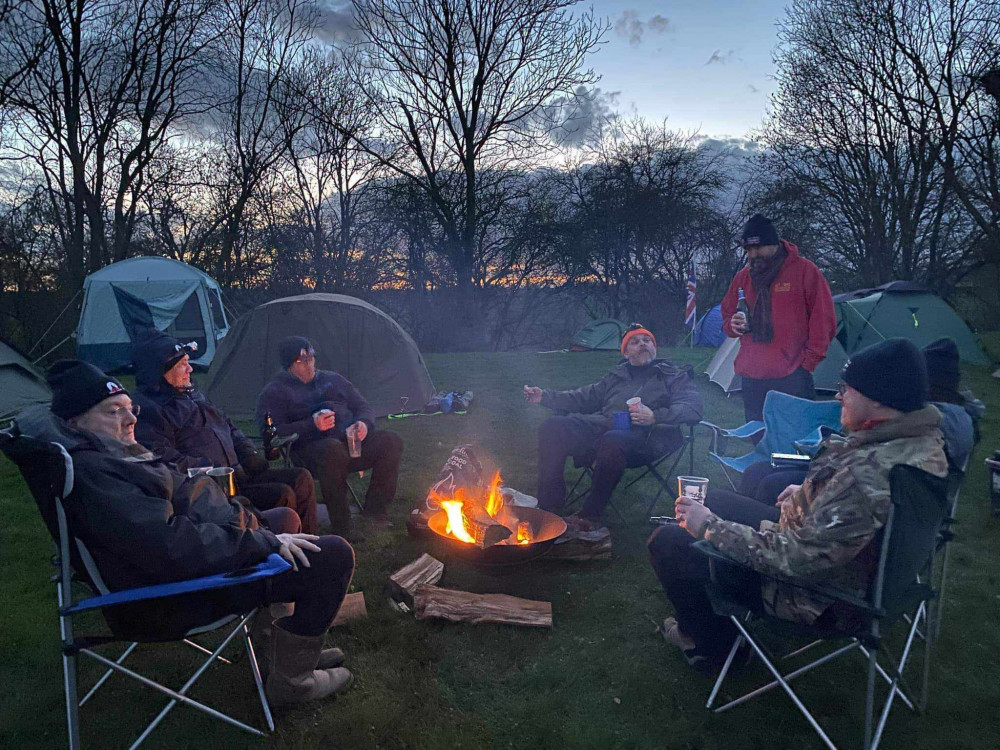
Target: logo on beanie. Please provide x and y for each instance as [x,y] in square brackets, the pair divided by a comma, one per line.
[113,388]
[751,241]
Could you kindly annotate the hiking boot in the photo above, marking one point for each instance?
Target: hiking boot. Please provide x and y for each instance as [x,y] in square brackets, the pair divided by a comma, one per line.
[294,676]
[581,523]
[263,629]
[672,634]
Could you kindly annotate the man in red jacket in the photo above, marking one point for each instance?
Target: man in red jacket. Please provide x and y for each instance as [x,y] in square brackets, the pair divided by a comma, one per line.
[791,318]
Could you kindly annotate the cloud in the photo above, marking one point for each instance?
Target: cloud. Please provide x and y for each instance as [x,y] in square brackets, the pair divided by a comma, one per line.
[629,25]
[582,116]
[335,22]
[721,58]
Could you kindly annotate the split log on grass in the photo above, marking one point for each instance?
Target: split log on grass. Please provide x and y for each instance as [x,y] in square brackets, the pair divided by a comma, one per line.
[461,606]
[482,526]
[353,608]
[403,583]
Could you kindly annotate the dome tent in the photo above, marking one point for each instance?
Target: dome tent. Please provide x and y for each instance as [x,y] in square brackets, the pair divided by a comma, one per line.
[148,292]
[708,332]
[825,377]
[354,338]
[20,383]
[599,335]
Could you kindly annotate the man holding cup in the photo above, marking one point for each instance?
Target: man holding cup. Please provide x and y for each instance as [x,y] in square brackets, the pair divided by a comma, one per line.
[337,435]
[820,530]
[790,320]
[628,418]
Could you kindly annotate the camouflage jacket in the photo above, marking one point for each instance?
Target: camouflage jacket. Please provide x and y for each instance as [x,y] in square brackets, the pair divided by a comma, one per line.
[825,527]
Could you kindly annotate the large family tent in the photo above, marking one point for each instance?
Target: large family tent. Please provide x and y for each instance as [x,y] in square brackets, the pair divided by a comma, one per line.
[20,383]
[902,309]
[148,292]
[599,335]
[354,338]
[825,377]
[708,331]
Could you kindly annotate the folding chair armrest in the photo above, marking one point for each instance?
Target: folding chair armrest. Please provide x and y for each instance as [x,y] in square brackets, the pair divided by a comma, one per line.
[272,566]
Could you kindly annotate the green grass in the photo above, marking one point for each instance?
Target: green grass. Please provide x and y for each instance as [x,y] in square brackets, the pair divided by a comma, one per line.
[600,678]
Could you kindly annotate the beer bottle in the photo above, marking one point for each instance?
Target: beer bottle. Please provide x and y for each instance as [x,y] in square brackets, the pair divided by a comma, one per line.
[269,433]
[741,306]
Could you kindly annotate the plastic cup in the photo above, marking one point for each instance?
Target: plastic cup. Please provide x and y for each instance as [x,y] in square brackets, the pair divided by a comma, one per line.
[192,473]
[634,401]
[353,443]
[224,476]
[623,420]
[693,488]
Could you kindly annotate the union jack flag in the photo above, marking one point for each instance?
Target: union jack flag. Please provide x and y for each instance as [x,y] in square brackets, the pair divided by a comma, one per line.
[691,311]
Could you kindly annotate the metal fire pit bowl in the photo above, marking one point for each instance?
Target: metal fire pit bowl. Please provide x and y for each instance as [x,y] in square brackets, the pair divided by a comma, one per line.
[545,529]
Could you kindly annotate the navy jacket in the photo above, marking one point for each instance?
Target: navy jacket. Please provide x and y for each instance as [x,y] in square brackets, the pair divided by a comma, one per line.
[292,403]
[183,424]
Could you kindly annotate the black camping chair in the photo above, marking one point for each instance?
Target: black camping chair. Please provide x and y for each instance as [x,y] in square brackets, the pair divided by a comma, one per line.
[899,591]
[284,446]
[48,470]
[652,467]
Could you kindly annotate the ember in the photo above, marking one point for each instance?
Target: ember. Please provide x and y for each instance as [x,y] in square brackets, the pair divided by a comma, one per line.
[478,516]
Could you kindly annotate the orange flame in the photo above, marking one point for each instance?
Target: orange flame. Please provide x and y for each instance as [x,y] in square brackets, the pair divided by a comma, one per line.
[493,504]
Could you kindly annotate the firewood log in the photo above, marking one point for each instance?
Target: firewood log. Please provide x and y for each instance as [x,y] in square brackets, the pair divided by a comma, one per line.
[353,608]
[483,528]
[403,583]
[462,606]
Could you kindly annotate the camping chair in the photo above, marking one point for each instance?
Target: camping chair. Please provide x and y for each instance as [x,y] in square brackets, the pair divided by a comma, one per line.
[284,445]
[790,425]
[906,545]
[652,468]
[956,475]
[48,470]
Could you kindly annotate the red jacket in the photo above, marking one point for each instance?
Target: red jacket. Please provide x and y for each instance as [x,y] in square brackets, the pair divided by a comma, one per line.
[802,313]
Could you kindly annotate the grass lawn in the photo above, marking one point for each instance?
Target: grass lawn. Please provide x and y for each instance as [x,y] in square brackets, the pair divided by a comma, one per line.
[600,678]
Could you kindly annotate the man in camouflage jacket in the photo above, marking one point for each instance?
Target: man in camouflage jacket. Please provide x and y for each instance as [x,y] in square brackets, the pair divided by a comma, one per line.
[824,527]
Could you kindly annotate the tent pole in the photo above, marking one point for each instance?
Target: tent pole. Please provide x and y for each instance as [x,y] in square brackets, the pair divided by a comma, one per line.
[52,349]
[40,338]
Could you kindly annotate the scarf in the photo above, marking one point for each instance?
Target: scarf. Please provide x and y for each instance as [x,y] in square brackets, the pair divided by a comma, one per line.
[763,276]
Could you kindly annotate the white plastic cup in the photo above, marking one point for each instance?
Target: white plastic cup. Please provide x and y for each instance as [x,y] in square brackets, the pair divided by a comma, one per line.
[693,488]
[192,473]
[353,443]
[634,401]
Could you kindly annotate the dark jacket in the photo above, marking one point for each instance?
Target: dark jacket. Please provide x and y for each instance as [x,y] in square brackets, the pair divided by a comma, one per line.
[665,388]
[292,403]
[145,523]
[178,424]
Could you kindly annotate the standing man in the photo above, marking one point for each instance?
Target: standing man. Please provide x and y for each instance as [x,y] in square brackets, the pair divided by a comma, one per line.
[325,408]
[791,318]
[179,422]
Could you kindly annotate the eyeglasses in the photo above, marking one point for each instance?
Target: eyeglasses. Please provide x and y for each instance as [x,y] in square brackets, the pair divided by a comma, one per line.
[307,358]
[119,412]
[841,388]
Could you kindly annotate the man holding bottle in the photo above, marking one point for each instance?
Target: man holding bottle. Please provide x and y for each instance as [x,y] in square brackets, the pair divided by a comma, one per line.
[785,319]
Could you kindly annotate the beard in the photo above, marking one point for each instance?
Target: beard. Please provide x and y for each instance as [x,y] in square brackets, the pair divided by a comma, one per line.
[642,358]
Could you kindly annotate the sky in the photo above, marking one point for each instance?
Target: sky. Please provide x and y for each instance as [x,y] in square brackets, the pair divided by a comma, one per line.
[704,65]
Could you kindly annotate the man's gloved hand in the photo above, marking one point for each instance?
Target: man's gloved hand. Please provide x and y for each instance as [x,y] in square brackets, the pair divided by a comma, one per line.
[253,463]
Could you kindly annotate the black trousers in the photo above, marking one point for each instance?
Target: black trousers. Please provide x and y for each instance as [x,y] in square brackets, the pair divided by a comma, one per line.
[283,488]
[683,573]
[330,462]
[764,483]
[608,454]
[798,383]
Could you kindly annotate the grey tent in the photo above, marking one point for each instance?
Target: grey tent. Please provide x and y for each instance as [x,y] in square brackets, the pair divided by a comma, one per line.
[148,292]
[20,383]
[825,377]
[354,338]
[599,335]
[902,309]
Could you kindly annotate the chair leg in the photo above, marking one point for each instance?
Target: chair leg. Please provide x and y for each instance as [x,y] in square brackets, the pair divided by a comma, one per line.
[255,669]
[72,706]
[107,674]
[725,670]
[894,686]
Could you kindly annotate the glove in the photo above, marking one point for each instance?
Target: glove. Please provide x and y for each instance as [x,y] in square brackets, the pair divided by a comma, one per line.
[253,463]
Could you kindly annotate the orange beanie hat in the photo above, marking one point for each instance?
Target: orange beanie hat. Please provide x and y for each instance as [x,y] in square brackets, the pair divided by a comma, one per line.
[635,332]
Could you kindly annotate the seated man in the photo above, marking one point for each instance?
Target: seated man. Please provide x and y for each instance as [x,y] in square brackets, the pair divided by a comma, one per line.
[668,398]
[823,528]
[145,523]
[323,407]
[179,422]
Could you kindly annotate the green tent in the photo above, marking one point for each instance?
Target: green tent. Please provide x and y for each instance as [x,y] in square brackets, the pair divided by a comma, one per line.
[20,383]
[902,309]
[599,335]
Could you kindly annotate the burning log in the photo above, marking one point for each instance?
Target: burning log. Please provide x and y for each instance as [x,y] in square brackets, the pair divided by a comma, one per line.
[461,606]
[353,608]
[483,528]
[403,583]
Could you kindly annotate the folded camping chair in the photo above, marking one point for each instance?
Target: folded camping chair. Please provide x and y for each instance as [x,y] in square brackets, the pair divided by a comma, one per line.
[899,591]
[791,425]
[48,470]
[652,468]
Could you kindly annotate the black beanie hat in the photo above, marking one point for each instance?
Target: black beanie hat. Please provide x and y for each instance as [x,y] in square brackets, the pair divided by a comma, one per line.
[943,372]
[290,349]
[759,231]
[77,386]
[891,372]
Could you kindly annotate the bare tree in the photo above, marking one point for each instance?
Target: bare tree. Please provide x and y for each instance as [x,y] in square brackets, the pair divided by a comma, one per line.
[459,87]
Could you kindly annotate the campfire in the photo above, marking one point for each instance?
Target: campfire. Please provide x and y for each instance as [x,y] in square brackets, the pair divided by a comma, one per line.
[479,516]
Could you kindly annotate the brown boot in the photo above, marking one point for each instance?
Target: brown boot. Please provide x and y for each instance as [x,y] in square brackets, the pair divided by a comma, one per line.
[261,635]
[294,677]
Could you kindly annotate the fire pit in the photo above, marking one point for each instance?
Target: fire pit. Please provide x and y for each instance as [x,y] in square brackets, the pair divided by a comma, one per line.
[480,528]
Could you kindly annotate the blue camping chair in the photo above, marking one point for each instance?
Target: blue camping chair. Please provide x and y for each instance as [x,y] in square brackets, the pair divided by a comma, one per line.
[48,470]
[791,425]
